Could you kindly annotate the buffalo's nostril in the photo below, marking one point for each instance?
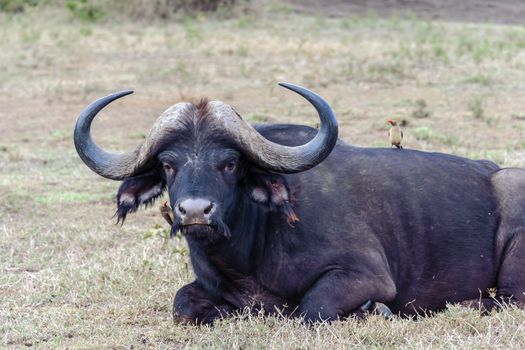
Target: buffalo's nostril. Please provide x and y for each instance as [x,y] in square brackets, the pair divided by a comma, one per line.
[207,210]
[181,209]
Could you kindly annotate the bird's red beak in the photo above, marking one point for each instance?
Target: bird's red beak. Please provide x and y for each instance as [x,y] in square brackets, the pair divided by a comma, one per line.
[391,122]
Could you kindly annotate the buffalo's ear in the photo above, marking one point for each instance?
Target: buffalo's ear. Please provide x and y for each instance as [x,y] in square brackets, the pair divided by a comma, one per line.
[137,190]
[272,191]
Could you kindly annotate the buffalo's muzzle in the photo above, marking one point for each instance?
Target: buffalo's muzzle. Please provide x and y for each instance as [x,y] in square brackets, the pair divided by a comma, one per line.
[194,211]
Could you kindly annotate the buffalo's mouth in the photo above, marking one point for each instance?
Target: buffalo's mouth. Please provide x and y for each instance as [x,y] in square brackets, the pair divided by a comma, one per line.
[198,229]
[205,231]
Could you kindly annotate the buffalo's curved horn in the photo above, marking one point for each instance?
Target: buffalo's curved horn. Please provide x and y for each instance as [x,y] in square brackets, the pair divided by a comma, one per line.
[118,166]
[276,157]
[270,155]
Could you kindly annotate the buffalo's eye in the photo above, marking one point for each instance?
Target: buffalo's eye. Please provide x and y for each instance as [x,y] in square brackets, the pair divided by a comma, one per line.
[230,166]
[168,169]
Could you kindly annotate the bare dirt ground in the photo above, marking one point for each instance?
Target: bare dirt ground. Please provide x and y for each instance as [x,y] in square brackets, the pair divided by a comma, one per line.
[70,278]
[477,11]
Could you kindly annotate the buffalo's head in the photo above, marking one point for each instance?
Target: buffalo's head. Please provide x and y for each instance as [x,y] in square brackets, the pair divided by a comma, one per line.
[209,159]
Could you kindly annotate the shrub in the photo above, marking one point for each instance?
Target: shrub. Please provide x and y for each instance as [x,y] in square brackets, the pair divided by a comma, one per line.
[475,106]
[166,8]
[92,10]
[84,10]
[420,110]
[16,6]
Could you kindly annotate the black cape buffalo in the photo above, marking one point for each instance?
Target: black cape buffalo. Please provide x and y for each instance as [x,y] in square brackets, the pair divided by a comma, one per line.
[289,217]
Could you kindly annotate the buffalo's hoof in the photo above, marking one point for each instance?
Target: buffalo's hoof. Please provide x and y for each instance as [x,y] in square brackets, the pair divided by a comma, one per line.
[376,308]
[183,319]
[207,317]
[382,310]
[366,306]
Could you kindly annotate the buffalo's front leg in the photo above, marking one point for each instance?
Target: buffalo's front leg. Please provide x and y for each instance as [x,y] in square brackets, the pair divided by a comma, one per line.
[338,294]
[194,305]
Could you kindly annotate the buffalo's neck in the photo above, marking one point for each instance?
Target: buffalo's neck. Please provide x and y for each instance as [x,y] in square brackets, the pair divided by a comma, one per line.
[247,225]
[233,259]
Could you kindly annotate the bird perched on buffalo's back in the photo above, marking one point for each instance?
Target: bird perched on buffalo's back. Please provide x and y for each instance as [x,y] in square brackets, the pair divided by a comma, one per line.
[395,134]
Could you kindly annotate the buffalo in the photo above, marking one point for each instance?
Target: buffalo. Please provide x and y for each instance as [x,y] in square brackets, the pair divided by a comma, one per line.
[290,218]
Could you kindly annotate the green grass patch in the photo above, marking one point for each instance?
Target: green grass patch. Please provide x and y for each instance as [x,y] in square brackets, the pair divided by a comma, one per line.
[478,79]
[430,135]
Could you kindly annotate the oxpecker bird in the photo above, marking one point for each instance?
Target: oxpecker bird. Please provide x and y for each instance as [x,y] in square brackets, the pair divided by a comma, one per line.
[395,134]
[166,212]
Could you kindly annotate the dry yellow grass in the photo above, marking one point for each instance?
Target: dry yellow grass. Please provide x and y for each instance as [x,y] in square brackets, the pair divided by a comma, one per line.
[70,278]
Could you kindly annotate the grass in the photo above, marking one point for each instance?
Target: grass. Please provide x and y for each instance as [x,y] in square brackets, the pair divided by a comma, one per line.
[71,278]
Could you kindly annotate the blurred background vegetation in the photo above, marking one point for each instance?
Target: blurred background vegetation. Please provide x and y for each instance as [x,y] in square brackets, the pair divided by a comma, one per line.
[93,10]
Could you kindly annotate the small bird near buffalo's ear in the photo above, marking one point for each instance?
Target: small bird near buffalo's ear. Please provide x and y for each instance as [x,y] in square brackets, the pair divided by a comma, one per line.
[166,212]
[395,134]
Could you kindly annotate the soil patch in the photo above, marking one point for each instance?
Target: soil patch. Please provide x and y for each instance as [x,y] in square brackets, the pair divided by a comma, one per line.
[506,11]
